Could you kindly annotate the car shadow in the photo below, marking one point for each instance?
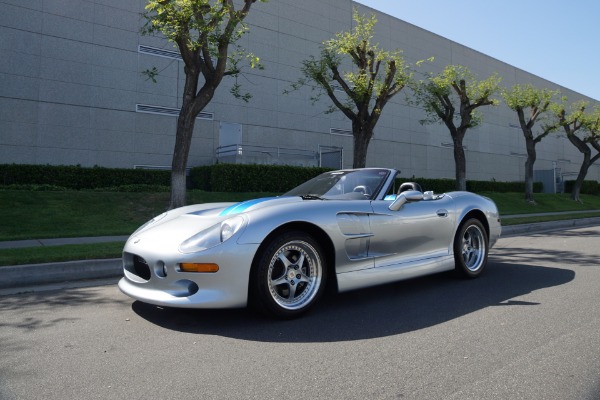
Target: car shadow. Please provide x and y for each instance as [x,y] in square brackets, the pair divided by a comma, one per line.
[370,313]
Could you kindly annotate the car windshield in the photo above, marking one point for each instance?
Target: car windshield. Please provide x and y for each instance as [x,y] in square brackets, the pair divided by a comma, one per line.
[352,185]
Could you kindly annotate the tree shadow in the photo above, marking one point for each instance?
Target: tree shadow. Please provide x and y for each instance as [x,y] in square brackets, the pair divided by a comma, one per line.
[543,256]
[50,300]
[59,297]
[370,313]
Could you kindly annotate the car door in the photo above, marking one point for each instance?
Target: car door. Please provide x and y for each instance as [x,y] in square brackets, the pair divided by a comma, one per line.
[418,230]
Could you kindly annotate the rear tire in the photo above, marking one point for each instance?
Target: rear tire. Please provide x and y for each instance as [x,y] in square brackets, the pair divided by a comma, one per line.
[470,248]
[289,275]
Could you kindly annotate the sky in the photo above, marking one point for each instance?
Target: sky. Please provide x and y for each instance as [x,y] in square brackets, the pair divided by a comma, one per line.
[557,40]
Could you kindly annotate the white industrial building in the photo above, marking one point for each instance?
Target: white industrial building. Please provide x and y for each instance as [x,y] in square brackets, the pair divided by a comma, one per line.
[72,92]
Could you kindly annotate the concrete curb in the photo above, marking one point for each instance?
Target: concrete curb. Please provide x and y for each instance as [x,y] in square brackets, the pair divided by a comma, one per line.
[549,226]
[16,244]
[43,274]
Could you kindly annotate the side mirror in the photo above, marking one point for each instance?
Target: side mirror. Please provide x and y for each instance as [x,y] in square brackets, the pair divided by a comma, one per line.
[405,197]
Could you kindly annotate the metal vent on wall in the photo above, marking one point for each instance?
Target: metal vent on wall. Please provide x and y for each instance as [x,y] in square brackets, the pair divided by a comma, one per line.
[155,51]
[336,131]
[451,145]
[148,109]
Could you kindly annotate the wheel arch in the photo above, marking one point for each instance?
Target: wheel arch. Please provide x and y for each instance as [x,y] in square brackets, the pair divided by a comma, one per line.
[479,215]
[316,232]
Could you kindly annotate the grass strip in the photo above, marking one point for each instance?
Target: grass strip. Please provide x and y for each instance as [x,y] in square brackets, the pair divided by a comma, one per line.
[48,254]
[515,203]
[45,215]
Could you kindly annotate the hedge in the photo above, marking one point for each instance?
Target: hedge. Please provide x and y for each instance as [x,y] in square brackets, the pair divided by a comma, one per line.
[588,187]
[251,178]
[215,178]
[77,177]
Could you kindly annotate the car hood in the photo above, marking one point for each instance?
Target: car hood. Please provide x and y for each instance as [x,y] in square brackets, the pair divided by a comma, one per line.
[246,206]
[175,226]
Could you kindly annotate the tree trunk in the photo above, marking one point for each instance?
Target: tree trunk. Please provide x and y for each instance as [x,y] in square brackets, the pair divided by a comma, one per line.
[183,142]
[193,103]
[531,157]
[362,136]
[460,162]
[581,177]
[585,165]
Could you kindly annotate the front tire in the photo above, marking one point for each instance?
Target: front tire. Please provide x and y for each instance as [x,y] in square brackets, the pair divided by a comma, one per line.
[289,275]
[470,248]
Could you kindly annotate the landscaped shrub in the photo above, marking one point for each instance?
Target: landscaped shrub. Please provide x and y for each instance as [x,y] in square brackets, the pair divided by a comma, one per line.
[251,178]
[35,188]
[214,178]
[588,187]
[200,177]
[135,188]
[76,177]
[501,187]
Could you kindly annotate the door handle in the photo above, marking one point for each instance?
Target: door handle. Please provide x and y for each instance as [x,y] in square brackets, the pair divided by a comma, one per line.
[442,213]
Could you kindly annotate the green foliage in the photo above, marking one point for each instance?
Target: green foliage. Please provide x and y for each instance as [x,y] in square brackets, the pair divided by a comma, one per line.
[208,178]
[251,178]
[49,177]
[200,177]
[591,125]
[537,103]
[203,30]
[376,76]
[571,115]
[135,188]
[75,213]
[588,187]
[46,254]
[528,96]
[456,88]
[501,187]
[34,187]
[372,77]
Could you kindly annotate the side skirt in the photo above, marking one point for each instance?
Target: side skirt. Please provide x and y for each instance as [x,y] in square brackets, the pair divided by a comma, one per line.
[391,273]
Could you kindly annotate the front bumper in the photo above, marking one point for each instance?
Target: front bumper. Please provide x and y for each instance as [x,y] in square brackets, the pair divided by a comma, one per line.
[153,276]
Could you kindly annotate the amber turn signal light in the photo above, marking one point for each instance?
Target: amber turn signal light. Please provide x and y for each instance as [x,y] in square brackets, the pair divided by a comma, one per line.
[195,267]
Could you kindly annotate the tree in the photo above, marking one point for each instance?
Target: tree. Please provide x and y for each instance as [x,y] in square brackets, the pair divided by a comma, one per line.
[203,31]
[576,122]
[364,90]
[535,103]
[456,88]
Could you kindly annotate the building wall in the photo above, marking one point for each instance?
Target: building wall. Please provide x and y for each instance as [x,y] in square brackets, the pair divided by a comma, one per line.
[71,81]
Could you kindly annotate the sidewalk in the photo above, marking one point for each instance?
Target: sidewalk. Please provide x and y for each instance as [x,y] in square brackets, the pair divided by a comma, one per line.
[17,244]
[22,278]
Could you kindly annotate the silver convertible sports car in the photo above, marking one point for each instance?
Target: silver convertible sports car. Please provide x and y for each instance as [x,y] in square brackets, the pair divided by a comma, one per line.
[349,228]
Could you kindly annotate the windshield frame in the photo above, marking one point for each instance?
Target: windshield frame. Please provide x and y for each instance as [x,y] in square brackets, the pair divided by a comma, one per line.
[336,185]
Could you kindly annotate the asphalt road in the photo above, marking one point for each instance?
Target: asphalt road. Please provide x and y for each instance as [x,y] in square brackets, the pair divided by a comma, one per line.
[529,328]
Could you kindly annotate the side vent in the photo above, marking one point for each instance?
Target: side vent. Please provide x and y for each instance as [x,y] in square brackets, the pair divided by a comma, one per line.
[174,112]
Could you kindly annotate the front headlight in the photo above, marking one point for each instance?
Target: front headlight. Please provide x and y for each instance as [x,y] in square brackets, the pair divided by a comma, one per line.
[213,236]
[230,227]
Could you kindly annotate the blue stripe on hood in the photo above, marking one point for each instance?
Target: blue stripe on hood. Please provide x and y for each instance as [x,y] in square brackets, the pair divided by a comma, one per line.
[243,206]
